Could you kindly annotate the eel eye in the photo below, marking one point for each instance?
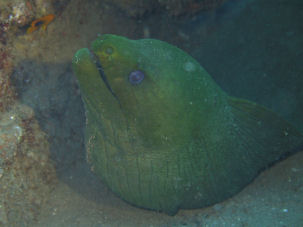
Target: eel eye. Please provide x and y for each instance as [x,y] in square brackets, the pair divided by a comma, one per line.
[136,77]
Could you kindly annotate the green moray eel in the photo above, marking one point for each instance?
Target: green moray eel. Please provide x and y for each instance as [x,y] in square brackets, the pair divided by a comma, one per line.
[162,134]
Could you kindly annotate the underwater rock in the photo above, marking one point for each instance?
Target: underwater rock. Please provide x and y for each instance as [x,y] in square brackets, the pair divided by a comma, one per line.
[163,135]
[17,15]
[27,175]
[139,8]
[186,7]
[15,12]
[7,92]
[136,8]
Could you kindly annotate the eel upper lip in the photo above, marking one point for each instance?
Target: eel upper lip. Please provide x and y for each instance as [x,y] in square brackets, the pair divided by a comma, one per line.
[102,74]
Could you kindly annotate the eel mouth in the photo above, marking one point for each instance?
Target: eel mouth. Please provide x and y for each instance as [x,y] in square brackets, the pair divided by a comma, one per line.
[102,74]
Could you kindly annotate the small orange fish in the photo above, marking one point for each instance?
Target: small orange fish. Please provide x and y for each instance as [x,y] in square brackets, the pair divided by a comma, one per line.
[40,22]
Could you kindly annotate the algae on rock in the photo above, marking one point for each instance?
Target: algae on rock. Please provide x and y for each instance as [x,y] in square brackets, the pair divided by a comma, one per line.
[27,175]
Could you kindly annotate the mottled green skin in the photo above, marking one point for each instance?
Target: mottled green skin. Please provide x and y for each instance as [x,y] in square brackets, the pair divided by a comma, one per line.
[176,140]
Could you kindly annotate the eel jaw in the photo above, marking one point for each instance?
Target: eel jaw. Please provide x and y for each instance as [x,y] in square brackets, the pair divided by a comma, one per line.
[102,74]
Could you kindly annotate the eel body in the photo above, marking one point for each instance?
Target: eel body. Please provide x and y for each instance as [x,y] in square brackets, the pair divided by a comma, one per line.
[162,134]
